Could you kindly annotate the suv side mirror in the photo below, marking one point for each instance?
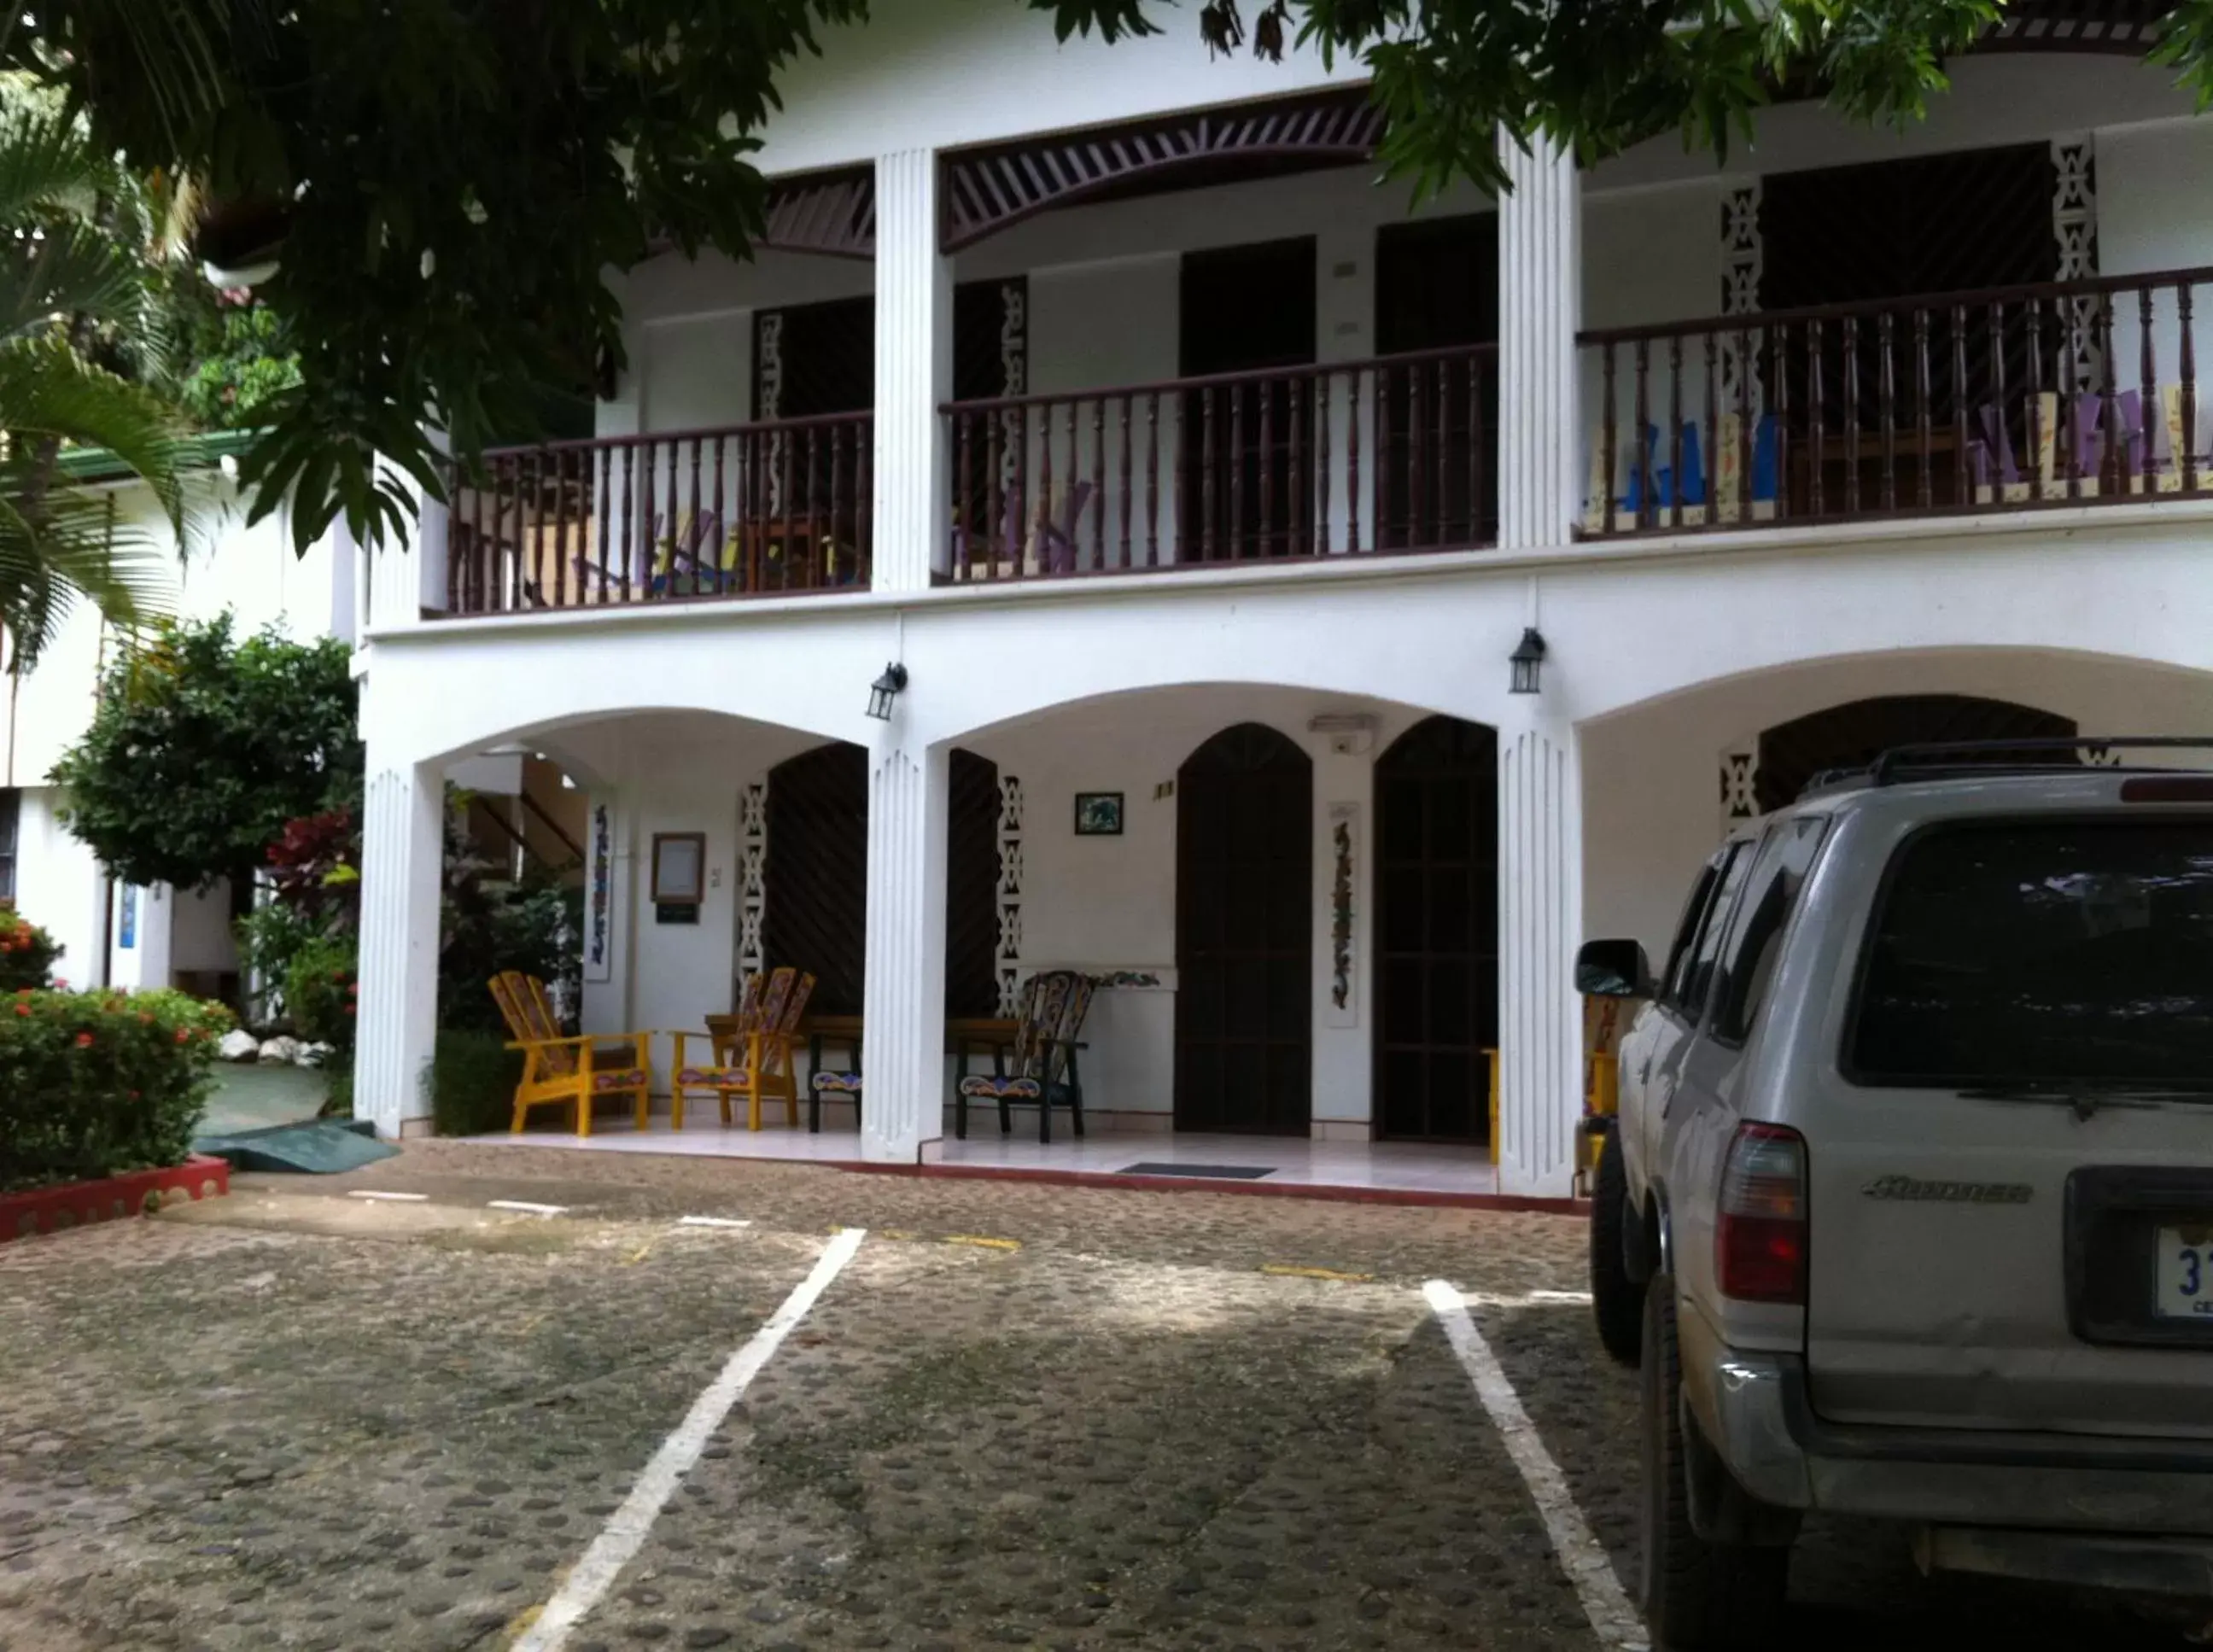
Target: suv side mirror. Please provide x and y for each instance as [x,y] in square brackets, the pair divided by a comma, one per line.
[1612,969]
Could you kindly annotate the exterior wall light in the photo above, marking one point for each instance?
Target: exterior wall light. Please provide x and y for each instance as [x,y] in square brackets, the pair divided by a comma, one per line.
[885,689]
[1527,660]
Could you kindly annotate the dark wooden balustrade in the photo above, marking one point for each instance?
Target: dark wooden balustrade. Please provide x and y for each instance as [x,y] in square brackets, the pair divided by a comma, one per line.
[1391,454]
[2062,393]
[756,510]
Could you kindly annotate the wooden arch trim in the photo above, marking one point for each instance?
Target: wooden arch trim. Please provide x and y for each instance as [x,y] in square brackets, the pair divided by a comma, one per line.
[2122,28]
[988,189]
[829,212]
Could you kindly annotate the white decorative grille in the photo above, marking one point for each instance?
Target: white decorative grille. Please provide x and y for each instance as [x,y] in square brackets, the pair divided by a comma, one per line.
[2074,227]
[1742,262]
[753,878]
[1008,962]
[1740,786]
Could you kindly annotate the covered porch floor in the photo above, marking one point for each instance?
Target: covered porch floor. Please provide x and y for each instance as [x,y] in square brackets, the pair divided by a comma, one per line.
[1393,1172]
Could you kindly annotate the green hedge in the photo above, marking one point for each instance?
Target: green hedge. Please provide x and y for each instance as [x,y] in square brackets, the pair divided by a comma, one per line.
[472,1079]
[95,1083]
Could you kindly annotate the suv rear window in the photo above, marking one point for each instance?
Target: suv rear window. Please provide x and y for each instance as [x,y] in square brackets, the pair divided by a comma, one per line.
[2040,953]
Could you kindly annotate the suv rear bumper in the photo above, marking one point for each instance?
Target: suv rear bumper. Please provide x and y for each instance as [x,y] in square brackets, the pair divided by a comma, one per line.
[1755,1411]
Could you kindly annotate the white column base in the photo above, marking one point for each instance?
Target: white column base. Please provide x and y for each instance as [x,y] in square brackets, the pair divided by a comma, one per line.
[903,1047]
[1540,925]
[403,850]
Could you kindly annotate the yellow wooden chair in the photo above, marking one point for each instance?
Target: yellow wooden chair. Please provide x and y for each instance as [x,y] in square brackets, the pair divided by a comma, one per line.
[569,1072]
[751,1051]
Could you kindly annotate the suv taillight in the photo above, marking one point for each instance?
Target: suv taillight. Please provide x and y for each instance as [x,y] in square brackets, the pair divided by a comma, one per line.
[1760,1245]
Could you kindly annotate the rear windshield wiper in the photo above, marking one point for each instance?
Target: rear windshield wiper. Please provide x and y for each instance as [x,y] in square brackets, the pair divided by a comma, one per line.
[2086,1100]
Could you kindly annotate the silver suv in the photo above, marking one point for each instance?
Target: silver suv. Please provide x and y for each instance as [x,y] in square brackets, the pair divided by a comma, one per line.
[1908,1209]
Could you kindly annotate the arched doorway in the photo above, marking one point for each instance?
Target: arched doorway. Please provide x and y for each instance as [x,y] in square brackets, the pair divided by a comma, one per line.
[1436,941]
[1854,734]
[1244,1014]
[817,877]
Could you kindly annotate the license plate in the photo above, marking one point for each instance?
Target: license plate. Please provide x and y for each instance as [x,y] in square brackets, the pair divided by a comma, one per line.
[2186,1273]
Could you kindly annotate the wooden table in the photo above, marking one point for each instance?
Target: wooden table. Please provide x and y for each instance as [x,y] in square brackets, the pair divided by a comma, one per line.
[963,1034]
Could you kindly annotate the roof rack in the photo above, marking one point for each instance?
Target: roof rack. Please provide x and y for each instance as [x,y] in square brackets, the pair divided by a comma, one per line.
[1931,759]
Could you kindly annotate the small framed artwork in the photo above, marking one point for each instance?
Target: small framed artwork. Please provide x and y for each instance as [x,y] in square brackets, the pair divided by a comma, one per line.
[680,868]
[1099,814]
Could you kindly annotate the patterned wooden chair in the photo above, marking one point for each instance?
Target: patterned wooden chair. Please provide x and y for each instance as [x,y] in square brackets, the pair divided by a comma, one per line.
[565,1071]
[1054,1005]
[823,1081]
[750,1052]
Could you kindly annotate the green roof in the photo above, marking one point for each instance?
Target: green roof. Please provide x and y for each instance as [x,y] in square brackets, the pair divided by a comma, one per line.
[194,453]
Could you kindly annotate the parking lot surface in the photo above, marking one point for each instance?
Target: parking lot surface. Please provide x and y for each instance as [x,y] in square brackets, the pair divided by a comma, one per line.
[1019,1415]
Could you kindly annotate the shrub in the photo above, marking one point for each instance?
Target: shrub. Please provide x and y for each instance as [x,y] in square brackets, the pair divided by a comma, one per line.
[269,938]
[95,1083]
[472,1079]
[27,954]
[319,992]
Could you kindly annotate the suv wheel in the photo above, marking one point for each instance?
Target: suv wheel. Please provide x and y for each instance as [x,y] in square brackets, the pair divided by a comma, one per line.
[1617,1301]
[1697,1595]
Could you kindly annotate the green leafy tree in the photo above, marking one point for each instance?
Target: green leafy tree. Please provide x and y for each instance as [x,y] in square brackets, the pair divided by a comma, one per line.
[202,748]
[76,312]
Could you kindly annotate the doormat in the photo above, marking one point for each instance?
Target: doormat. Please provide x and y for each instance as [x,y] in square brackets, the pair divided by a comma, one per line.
[1217,1172]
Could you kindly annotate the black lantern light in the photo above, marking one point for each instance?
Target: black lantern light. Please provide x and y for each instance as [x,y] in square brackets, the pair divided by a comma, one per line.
[882,692]
[1527,660]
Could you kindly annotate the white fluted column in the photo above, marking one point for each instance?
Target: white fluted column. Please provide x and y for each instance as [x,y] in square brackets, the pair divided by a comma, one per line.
[402,846]
[903,1056]
[1540,924]
[914,373]
[1539,307]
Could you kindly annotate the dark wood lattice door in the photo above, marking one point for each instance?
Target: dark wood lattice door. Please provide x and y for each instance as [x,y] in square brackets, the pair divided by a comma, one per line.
[1245,935]
[1853,736]
[818,877]
[1245,308]
[1437,898]
[1436,286]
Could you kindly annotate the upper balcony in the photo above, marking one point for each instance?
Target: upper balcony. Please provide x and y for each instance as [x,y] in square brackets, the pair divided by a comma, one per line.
[1205,338]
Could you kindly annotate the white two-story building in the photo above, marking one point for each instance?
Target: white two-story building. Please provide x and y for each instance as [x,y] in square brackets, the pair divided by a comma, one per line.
[114,933]
[1315,614]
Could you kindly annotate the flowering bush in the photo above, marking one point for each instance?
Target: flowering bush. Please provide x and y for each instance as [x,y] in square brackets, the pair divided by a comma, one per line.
[96,1083]
[320,992]
[27,952]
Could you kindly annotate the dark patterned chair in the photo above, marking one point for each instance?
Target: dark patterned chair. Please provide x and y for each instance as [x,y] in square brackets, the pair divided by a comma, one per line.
[1042,1058]
[833,1081]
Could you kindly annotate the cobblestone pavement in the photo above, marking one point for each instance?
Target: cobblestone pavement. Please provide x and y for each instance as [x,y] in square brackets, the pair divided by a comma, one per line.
[1025,1415]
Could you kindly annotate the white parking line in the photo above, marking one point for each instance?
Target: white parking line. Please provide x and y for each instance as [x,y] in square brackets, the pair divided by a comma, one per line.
[1611,1617]
[624,1534]
[527,1207]
[714,1222]
[394,1199]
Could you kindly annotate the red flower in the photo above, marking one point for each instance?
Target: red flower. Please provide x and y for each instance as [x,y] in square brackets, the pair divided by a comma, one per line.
[183,1033]
[338,975]
[353,986]
[84,1040]
[349,1009]
[23,1009]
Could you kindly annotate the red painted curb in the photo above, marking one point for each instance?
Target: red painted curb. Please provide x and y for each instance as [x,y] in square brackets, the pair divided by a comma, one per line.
[1348,1195]
[50,1209]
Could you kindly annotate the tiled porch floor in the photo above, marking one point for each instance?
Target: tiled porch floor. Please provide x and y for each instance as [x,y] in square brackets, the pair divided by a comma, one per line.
[1397,1167]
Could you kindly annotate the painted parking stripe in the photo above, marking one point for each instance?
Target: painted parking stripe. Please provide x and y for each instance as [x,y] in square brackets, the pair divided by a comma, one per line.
[714,1222]
[1611,1617]
[394,1199]
[527,1207]
[624,1534]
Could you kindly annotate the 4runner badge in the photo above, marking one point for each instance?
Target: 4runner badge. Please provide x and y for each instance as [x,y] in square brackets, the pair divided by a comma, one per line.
[1949,1192]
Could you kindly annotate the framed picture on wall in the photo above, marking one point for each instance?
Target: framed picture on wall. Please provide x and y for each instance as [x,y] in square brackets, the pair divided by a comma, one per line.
[680,868]
[1099,814]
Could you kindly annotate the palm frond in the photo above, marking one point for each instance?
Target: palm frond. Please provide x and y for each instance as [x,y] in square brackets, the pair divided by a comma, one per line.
[71,270]
[73,551]
[46,391]
[47,163]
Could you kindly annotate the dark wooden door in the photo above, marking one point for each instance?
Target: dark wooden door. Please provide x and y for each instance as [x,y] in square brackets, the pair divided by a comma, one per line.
[818,877]
[1437,898]
[1245,935]
[1436,287]
[1243,308]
